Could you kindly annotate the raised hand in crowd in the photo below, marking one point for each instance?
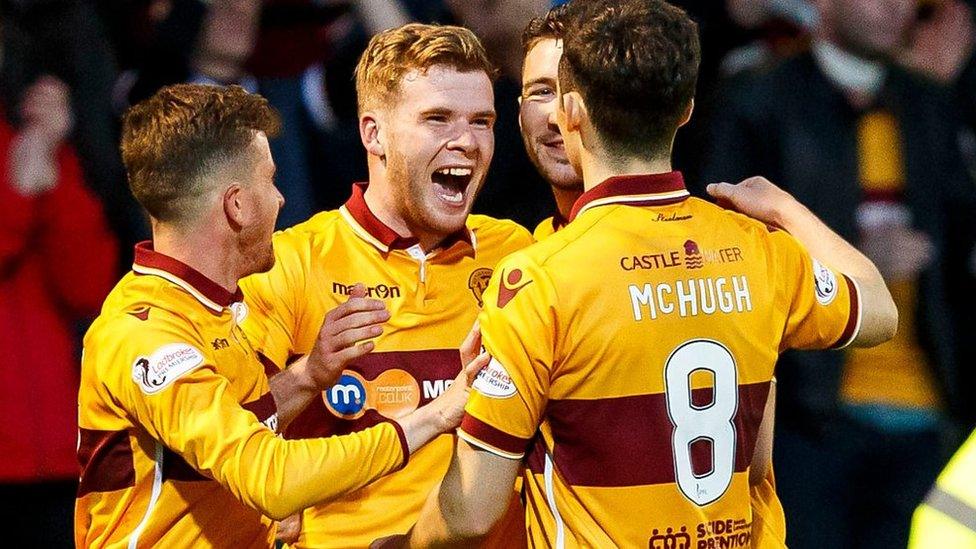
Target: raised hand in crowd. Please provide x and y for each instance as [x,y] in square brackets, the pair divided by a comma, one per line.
[47,121]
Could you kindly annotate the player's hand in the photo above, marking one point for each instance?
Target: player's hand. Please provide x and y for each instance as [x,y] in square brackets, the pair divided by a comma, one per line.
[450,405]
[471,346]
[344,334]
[289,529]
[47,120]
[756,197]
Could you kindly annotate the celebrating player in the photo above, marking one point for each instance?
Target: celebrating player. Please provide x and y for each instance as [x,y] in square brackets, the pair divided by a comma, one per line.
[542,48]
[640,340]
[426,112]
[177,416]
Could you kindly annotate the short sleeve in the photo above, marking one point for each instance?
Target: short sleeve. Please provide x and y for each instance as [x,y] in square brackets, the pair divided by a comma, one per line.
[822,305]
[518,326]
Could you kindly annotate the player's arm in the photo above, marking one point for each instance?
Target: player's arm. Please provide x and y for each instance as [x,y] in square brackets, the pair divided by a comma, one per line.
[762,456]
[757,197]
[184,403]
[472,497]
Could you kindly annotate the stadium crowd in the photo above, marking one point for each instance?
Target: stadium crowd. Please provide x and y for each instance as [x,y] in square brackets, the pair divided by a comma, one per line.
[864,110]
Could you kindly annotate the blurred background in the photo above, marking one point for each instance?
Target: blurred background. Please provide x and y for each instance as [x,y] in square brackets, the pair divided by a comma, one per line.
[863,109]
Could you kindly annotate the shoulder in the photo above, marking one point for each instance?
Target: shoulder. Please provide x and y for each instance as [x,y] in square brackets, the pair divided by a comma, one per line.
[544,229]
[302,234]
[503,233]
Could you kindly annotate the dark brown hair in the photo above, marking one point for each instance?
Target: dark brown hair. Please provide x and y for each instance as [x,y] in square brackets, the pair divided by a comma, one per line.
[394,52]
[635,63]
[174,139]
[548,26]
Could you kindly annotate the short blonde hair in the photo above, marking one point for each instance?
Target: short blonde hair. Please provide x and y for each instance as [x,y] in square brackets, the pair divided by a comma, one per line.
[393,53]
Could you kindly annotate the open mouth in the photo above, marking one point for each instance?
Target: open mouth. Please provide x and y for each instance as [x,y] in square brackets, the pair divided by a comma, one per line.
[451,183]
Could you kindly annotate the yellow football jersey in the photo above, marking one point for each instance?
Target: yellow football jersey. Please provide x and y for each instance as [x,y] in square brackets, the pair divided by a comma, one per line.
[433,298]
[548,227]
[177,438]
[768,518]
[640,341]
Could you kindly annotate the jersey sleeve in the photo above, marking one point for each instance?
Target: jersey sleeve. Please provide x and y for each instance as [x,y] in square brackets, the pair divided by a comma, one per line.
[274,318]
[518,326]
[822,305]
[174,391]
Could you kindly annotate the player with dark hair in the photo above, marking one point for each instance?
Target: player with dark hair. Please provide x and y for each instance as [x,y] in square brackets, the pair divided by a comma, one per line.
[639,341]
[542,46]
[178,418]
[542,49]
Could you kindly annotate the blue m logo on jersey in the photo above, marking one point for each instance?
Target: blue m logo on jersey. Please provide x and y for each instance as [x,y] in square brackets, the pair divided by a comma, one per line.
[347,396]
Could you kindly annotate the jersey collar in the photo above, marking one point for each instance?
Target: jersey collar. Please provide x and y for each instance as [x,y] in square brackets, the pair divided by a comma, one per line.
[369,227]
[150,262]
[634,190]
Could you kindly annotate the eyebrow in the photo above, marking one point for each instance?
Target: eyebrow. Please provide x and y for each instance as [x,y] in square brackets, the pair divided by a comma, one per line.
[451,112]
[540,80]
[488,114]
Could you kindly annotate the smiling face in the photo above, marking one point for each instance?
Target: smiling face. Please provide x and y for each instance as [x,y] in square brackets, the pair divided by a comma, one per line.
[537,109]
[438,142]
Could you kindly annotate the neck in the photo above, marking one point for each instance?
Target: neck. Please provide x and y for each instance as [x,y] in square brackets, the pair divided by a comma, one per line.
[565,198]
[382,203]
[599,168]
[201,250]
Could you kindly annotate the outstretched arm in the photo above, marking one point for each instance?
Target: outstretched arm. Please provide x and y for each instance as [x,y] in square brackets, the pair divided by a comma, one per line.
[759,198]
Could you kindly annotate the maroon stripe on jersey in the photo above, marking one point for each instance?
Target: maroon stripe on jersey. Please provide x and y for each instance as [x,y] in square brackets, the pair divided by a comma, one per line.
[427,365]
[535,458]
[626,441]
[402,437]
[845,337]
[492,436]
[270,368]
[176,468]
[263,407]
[431,366]
[106,461]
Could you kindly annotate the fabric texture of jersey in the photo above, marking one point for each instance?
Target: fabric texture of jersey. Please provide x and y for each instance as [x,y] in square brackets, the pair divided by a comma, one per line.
[177,442]
[433,298]
[640,341]
[548,227]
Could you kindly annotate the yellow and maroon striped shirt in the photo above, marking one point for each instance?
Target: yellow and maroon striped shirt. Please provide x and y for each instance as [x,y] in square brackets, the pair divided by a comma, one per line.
[177,438]
[639,342]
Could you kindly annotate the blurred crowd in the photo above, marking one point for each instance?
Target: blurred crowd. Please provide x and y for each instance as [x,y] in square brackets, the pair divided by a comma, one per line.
[865,110]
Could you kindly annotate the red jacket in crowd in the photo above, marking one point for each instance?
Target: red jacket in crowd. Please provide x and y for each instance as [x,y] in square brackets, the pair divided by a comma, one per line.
[57,263]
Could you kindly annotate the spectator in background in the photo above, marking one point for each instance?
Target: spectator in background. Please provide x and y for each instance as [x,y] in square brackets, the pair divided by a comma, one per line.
[57,263]
[66,38]
[872,149]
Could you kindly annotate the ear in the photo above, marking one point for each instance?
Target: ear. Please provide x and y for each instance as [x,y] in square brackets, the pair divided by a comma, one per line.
[234,208]
[370,134]
[687,114]
[520,112]
[574,110]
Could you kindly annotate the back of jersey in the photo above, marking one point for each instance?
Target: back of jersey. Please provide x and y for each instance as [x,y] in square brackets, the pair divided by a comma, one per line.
[640,341]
